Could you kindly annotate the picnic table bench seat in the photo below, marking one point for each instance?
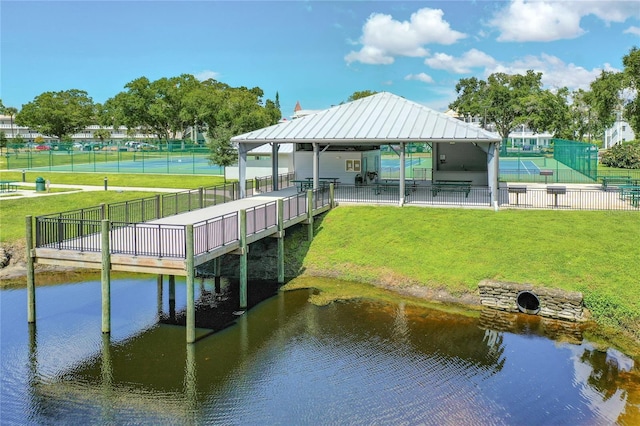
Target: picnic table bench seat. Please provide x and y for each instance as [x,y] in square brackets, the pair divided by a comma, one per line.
[616,181]
[451,186]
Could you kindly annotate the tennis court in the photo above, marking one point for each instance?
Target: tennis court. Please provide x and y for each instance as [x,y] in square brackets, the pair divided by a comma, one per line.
[518,166]
[170,163]
[393,164]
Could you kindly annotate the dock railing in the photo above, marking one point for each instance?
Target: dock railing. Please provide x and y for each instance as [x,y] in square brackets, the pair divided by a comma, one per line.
[131,234]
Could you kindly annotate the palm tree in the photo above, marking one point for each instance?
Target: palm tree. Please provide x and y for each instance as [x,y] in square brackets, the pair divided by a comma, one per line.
[11,112]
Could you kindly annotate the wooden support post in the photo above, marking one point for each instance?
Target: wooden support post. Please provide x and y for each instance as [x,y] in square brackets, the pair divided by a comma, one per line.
[103,211]
[191,381]
[201,196]
[106,366]
[106,277]
[217,271]
[243,259]
[158,206]
[310,215]
[280,241]
[160,290]
[191,299]
[31,278]
[172,296]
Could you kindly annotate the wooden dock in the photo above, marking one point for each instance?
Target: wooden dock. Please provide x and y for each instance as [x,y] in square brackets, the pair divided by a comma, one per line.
[172,245]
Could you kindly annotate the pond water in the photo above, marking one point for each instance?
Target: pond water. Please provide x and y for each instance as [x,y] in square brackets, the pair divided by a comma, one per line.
[286,361]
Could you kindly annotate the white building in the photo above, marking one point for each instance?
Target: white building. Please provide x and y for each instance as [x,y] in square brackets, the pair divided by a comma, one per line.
[619,132]
[13,131]
[522,138]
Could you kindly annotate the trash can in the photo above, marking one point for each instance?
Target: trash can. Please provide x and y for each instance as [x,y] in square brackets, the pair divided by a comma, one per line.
[40,184]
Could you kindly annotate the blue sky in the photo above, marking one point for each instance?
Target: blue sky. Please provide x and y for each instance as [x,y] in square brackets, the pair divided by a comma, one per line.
[315,52]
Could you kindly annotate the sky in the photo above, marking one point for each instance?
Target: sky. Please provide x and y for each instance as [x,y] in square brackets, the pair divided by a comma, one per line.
[317,53]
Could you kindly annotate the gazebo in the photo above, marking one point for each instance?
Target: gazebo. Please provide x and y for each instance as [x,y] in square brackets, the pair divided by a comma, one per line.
[460,150]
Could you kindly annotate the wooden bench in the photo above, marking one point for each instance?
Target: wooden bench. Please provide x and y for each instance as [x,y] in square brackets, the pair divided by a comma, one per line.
[451,186]
[608,181]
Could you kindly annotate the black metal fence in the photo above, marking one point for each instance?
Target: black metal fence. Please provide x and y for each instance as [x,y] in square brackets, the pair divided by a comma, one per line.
[80,229]
[513,196]
[214,233]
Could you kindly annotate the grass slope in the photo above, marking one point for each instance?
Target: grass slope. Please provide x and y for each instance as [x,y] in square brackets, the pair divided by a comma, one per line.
[596,253]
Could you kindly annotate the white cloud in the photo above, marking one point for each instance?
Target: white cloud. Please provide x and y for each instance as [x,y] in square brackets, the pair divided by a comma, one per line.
[383,37]
[525,20]
[537,21]
[473,58]
[425,78]
[633,30]
[206,75]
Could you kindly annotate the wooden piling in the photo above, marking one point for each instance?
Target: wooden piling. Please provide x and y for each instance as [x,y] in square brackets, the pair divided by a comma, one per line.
[31,278]
[106,277]
[191,300]
[243,259]
[172,296]
[309,215]
[159,293]
[280,241]
[217,271]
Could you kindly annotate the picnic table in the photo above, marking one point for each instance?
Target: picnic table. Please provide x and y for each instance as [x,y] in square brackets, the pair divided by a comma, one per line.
[8,186]
[630,192]
[381,186]
[608,181]
[451,186]
[303,184]
[333,180]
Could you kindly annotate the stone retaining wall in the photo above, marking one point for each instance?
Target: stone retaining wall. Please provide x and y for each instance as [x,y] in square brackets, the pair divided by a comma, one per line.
[554,303]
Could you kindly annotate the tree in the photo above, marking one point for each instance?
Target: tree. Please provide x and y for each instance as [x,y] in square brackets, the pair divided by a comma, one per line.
[618,92]
[360,94]
[631,81]
[548,111]
[102,134]
[3,141]
[504,100]
[58,113]
[605,99]
[11,112]
[222,152]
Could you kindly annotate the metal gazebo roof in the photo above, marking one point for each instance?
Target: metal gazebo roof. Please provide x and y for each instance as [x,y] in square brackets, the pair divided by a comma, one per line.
[380,119]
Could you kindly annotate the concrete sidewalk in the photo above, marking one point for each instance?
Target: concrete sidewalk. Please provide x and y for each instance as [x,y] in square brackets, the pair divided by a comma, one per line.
[27,193]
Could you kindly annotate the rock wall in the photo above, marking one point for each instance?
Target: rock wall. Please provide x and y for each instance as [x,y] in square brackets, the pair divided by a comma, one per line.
[553,303]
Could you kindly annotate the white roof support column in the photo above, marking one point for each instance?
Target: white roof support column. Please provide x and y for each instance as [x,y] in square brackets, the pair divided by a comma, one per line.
[402,173]
[242,169]
[316,164]
[274,165]
[493,170]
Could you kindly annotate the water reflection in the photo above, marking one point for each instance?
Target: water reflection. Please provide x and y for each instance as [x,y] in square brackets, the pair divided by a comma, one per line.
[287,361]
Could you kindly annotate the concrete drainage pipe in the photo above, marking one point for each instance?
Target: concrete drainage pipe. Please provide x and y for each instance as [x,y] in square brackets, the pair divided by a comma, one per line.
[528,302]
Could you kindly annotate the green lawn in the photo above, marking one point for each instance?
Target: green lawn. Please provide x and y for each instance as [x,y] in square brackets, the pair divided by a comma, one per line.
[142,180]
[14,211]
[596,253]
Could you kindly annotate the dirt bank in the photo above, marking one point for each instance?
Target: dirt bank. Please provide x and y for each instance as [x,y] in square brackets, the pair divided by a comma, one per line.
[13,265]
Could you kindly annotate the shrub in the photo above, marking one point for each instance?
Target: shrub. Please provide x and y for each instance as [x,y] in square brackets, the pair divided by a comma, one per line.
[623,155]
